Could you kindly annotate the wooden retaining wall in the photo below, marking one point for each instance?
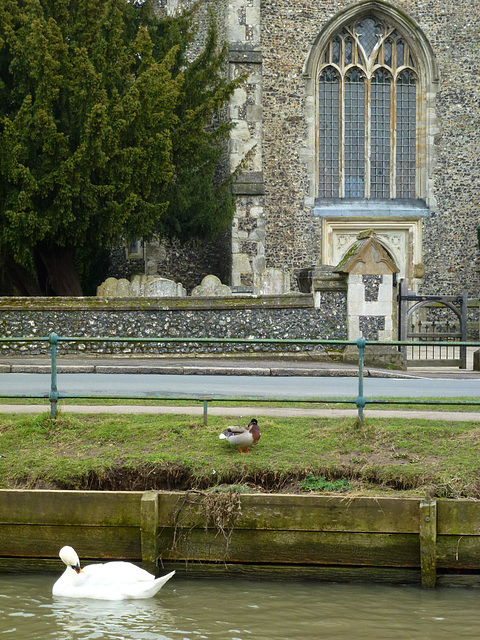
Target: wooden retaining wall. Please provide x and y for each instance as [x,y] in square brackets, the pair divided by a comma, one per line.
[325,537]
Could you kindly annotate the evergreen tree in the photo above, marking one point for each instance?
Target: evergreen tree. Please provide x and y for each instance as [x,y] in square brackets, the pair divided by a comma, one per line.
[106,131]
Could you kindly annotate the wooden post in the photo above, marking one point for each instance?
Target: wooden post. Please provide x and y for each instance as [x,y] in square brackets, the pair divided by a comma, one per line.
[428,543]
[150,530]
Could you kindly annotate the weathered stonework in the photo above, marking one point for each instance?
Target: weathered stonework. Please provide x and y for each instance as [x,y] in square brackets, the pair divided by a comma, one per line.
[246,142]
[371,326]
[372,286]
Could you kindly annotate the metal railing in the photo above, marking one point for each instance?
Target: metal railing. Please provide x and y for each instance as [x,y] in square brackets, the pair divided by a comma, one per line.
[360,400]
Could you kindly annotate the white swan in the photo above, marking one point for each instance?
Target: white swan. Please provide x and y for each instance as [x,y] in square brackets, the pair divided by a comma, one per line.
[110,581]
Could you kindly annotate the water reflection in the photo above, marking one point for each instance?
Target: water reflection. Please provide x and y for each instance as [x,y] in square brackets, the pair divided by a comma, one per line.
[241,610]
[100,619]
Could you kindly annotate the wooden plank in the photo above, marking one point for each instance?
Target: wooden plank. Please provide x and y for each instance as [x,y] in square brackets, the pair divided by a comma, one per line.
[458,517]
[458,552]
[150,530]
[458,580]
[36,565]
[222,570]
[31,565]
[300,547]
[119,508]
[428,540]
[302,513]
[89,542]
[382,575]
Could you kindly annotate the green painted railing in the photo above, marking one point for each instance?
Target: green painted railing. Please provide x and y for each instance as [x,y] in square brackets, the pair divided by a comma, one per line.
[360,401]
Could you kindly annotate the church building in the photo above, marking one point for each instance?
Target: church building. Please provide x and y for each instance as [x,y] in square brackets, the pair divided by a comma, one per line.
[354,116]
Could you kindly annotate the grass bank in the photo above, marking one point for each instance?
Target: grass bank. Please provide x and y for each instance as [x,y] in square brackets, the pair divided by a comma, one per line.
[138,452]
[400,404]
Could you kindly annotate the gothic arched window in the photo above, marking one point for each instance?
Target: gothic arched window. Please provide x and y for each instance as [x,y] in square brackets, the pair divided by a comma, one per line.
[367,113]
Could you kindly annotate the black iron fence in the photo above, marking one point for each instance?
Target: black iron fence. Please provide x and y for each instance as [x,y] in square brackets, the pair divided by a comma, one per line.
[437,324]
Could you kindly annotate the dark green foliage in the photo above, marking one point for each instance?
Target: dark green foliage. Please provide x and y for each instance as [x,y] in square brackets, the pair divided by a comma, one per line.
[105,131]
[92,267]
[320,483]
[200,203]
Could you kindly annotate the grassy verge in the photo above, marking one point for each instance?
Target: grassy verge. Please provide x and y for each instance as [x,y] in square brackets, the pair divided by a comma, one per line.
[417,458]
[401,404]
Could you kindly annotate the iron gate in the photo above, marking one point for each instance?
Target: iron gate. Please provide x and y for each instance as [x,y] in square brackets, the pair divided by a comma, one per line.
[432,319]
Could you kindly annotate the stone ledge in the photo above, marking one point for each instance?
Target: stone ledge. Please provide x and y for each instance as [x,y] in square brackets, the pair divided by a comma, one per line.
[285,301]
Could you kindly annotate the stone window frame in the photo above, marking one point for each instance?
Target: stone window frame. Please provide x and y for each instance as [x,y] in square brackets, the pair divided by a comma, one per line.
[427,88]
[134,248]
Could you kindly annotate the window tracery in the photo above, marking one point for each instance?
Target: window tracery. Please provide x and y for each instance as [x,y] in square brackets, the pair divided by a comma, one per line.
[367,113]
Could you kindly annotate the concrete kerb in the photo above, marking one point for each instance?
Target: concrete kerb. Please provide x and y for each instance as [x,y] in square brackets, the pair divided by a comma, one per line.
[221,365]
[199,367]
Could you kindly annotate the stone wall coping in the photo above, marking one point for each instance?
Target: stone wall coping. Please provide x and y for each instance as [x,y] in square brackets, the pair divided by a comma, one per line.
[284,301]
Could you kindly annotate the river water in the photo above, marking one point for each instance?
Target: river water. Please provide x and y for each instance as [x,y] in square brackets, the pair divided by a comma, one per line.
[193,609]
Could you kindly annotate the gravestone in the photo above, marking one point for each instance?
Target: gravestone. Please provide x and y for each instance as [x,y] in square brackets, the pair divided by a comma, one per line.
[211,286]
[271,282]
[108,288]
[141,287]
[162,288]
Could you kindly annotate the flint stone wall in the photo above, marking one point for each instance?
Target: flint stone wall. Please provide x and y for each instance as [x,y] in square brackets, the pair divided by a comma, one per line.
[289,316]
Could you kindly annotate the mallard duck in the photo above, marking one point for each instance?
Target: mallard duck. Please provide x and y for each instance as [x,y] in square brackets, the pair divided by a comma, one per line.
[242,437]
[109,581]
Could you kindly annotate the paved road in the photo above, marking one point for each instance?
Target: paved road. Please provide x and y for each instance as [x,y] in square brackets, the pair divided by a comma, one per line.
[228,386]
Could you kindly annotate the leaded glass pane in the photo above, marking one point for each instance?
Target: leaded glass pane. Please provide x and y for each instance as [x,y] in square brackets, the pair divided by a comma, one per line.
[368,31]
[406,135]
[336,51]
[354,134]
[380,135]
[328,133]
[348,51]
[387,53]
[400,54]
[355,75]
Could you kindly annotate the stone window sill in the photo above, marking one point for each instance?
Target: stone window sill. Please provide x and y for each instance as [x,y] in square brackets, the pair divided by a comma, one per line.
[358,208]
